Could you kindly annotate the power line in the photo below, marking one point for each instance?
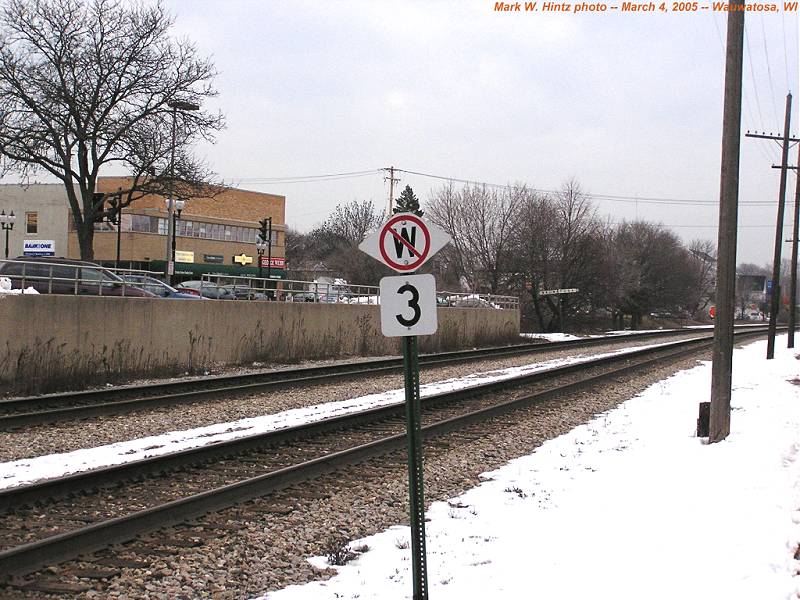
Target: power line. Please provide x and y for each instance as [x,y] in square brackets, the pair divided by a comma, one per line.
[307,178]
[785,51]
[593,195]
[609,197]
[709,226]
[769,70]
[771,153]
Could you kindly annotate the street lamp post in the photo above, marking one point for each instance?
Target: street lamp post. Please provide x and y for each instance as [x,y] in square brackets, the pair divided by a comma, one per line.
[261,245]
[116,218]
[264,242]
[7,222]
[175,105]
[178,205]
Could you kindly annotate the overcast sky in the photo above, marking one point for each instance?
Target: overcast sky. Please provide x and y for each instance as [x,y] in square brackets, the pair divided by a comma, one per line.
[628,104]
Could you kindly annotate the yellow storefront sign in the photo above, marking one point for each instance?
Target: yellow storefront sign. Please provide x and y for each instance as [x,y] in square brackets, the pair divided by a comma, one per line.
[184,256]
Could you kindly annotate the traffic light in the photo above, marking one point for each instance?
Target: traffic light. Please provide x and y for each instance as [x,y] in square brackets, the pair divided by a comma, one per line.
[265,229]
[99,202]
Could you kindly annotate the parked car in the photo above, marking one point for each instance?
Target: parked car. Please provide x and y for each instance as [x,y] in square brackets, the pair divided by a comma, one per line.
[159,288]
[51,275]
[303,297]
[473,302]
[243,292]
[208,290]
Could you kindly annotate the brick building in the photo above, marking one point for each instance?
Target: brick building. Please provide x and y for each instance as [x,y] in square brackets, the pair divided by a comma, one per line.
[215,235]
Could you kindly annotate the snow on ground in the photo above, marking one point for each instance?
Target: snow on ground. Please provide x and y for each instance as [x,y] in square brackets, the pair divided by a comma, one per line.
[629,506]
[560,337]
[551,337]
[5,288]
[618,332]
[53,465]
[27,470]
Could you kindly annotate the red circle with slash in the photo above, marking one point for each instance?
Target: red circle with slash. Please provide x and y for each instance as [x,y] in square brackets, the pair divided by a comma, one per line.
[388,234]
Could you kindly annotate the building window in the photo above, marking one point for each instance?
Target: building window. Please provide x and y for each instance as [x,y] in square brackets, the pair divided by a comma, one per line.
[31,222]
[140,223]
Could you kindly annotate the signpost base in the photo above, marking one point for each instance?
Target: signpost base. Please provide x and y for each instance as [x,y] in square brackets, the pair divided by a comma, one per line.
[415,487]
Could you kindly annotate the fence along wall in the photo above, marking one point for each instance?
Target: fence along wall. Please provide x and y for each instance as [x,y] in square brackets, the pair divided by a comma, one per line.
[51,342]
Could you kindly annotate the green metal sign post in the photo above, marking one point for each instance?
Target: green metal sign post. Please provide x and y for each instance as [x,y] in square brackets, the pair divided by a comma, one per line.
[419,562]
[408,309]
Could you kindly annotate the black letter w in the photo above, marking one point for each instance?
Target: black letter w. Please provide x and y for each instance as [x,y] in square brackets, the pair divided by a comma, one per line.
[398,245]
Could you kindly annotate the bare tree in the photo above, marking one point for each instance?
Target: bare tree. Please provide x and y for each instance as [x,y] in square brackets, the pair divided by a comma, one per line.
[559,244]
[336,241]
[350,223]
[658,271]
[704,270]
[87,84]
[480,222]
[534,242]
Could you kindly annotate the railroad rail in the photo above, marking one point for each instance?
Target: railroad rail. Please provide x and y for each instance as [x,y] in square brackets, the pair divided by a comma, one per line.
[354,446]
[50,408]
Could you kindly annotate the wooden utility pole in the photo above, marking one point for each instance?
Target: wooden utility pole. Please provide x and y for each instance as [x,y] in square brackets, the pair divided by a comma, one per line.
[776,264]
[720,414]
[392,180]
[774,305]
[794,240]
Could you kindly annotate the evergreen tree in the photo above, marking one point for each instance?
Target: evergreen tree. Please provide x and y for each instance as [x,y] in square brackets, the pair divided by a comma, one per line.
[408,202]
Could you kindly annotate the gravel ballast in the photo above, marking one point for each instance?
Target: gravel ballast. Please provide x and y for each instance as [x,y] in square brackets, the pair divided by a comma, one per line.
[73,435]
[277,533]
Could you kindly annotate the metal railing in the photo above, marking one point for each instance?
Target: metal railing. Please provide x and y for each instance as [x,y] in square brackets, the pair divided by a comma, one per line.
[71,278]
[293,290]
[53,277]
[467,300]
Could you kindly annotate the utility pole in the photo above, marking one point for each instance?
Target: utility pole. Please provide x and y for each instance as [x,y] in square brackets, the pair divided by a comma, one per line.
[722,355]
[774,305]
[795,233]
[392,180]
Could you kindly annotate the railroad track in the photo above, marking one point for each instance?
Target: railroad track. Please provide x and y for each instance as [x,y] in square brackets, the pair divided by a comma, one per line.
[105,507]
[50,408]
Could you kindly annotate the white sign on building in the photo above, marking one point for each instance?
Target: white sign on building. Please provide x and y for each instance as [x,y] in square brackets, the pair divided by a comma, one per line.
[39,248]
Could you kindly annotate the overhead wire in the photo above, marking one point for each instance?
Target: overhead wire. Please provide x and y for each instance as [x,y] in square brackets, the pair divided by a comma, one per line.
[307,178]
[598,196]
[769,154]
[595,195]
[785,50]
[769,71]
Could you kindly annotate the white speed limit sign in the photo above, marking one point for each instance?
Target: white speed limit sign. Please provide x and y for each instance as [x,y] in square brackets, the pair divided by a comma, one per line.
[408,305]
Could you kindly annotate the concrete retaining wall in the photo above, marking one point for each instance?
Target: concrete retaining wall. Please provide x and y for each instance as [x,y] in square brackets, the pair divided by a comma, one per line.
[63,342]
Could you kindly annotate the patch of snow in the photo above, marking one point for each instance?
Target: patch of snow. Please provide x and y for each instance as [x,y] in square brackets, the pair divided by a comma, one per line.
[628,506]
[5,288]
[551,337]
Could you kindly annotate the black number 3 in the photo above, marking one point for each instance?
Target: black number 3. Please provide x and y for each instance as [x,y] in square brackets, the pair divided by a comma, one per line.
[413,304]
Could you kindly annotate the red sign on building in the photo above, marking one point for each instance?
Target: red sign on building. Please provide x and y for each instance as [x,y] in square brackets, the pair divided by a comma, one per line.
[278,262]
